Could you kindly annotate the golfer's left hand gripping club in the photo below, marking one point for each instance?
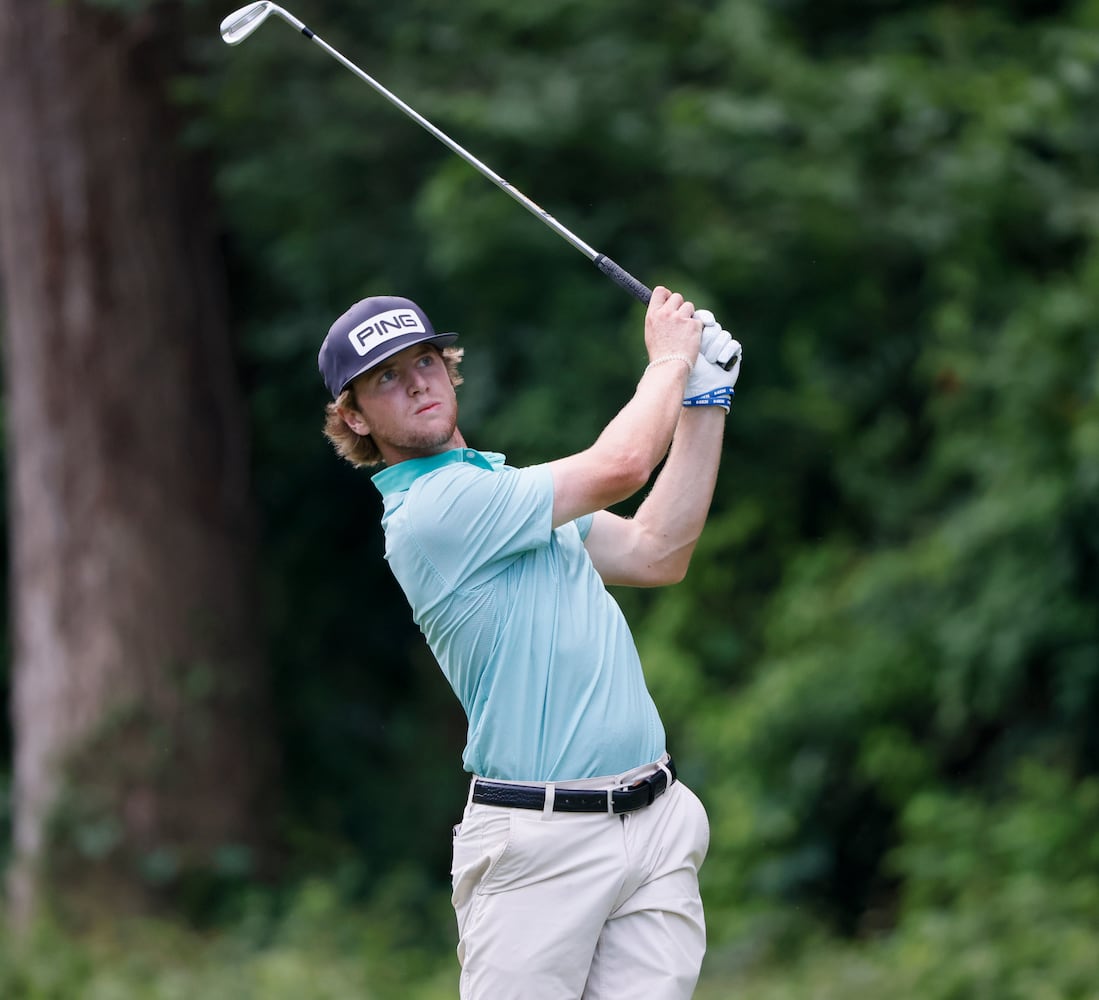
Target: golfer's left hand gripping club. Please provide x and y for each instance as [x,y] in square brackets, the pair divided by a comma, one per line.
[241,23]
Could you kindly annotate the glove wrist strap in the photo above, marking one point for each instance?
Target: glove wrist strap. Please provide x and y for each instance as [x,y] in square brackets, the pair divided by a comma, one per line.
[722,396]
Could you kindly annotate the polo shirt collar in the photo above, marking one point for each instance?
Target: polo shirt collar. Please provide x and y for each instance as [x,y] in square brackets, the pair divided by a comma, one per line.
[399,477]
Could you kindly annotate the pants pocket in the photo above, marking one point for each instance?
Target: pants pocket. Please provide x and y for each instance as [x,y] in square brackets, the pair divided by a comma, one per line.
[480,841]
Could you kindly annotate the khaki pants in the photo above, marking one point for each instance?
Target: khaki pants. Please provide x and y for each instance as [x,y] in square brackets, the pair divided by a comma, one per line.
[563,906]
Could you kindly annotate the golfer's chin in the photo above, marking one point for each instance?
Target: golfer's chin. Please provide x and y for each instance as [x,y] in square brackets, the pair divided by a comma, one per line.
[429,440]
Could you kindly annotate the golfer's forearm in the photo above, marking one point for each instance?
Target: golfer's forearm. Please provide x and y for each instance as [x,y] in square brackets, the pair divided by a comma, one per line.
[674,513]
[642,430]
[623,457]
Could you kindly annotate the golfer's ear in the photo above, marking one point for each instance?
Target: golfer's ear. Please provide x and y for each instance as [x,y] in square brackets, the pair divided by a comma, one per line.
[354,419]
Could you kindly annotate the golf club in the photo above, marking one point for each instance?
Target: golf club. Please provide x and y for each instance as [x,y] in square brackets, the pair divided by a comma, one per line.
[243,22]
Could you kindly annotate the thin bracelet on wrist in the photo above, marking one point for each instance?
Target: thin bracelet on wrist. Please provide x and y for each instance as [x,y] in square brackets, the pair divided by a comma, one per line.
[671,357]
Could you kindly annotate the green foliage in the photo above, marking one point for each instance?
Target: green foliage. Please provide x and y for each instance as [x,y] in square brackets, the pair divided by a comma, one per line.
[1001,901]
[312,944]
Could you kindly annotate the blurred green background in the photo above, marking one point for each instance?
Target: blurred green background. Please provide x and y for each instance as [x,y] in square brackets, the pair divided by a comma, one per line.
[882,672]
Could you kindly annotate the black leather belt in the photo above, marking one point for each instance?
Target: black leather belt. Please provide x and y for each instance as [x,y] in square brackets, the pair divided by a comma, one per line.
[575,800]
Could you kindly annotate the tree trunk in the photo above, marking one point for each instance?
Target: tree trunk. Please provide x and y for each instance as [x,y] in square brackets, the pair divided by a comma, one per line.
[143,754]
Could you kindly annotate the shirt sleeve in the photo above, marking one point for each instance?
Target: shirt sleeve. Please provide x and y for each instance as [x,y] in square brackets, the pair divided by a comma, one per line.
[470,521]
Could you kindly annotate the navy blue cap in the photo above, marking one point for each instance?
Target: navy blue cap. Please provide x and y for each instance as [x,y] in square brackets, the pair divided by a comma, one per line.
[370,331]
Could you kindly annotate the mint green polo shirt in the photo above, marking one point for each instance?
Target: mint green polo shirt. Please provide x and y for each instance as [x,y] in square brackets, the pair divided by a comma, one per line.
[536,649]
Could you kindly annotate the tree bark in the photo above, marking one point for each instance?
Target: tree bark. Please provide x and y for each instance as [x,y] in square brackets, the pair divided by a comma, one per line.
[143,752]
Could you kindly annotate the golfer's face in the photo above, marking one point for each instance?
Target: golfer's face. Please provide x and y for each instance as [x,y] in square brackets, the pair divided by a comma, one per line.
[408,404]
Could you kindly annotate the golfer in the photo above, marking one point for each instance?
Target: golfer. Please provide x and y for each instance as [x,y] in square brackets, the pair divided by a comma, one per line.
[575,867]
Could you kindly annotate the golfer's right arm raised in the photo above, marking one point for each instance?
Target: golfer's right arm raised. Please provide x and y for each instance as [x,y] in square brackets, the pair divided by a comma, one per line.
[631,446]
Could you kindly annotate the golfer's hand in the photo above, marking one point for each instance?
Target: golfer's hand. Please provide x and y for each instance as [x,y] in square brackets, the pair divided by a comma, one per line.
[670,327]
[709,383]
[718,345]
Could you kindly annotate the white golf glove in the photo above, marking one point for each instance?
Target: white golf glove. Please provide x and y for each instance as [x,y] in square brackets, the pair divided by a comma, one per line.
[718,345]
[709,383]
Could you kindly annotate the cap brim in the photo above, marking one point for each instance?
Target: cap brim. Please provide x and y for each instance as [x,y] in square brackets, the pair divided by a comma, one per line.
[395,346]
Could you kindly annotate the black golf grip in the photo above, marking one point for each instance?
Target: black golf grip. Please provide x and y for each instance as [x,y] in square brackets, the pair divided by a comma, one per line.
[622,277]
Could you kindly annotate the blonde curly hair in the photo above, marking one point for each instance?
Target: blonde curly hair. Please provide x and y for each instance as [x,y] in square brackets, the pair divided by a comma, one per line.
[360,449]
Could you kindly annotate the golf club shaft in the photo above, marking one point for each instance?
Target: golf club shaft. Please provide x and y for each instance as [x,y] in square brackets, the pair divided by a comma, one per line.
[612,270]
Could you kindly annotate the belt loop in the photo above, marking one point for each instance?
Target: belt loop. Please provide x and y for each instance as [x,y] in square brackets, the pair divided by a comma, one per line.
[547,806]
[663,765]
[472,788]
[610,801]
